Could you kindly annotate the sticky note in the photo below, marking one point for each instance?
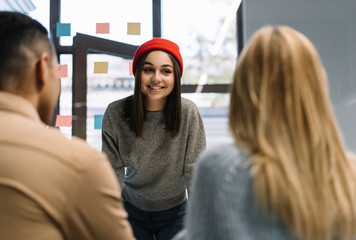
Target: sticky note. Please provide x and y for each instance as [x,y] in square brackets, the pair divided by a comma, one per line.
[98,121]
[130,69]
[63,71]
[133,28]
[101,67]
[63,29]
[63,121]
[102,27]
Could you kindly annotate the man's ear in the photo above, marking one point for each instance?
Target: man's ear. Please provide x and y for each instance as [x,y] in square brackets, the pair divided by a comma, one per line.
[42,71]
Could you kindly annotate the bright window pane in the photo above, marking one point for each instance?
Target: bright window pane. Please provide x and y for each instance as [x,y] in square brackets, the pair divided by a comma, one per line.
[104,88]
[65,98]
[206,32]
[83,15]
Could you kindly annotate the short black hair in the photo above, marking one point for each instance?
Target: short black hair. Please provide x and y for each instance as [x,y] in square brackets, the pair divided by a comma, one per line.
[21,39]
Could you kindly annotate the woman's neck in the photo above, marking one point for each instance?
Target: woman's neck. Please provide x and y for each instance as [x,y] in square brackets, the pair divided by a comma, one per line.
[154,106]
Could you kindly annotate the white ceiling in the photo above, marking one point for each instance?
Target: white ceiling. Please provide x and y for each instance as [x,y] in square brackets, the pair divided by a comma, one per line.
[23,6]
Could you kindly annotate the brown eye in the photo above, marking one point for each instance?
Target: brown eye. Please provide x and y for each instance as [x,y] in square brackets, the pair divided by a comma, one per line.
[147,70]
[167,71]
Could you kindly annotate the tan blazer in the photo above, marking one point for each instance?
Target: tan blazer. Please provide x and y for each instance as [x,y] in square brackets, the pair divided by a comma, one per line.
[52,187]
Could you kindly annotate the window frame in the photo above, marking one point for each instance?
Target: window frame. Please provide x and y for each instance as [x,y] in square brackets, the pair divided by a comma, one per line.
[85,44]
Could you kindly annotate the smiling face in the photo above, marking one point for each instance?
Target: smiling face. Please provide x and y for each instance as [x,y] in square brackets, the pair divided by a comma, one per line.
[157,79]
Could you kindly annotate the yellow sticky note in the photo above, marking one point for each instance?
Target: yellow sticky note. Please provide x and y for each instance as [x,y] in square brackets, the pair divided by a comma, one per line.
[101,67]
[133,28]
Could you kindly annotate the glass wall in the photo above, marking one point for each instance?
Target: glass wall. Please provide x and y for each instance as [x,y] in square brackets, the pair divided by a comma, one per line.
[129,21]
[207,36]
[206,32]
[207,41]
[104,88]
[207,59]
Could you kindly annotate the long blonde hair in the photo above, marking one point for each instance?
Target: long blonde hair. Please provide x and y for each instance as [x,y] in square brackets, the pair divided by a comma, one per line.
[281,115]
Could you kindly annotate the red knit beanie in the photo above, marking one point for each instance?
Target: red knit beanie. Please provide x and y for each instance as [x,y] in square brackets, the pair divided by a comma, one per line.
[158,44]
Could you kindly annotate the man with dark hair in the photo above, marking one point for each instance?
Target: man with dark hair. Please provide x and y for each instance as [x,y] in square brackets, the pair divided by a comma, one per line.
[50,187]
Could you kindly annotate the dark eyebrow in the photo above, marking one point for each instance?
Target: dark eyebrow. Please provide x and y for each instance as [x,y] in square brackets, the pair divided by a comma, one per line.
[165,65]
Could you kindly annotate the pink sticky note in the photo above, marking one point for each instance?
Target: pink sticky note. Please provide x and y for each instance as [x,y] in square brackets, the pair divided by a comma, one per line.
[63,71]
[63,121]
[102,27]
[130,68]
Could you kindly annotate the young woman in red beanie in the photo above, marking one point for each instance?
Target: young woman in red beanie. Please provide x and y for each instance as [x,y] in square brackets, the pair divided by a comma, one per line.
[153,139]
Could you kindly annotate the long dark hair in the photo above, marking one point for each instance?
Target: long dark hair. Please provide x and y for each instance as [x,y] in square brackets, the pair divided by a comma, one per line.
[135,110]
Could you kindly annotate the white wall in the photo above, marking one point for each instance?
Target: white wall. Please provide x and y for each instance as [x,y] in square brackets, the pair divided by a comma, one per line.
[331,26]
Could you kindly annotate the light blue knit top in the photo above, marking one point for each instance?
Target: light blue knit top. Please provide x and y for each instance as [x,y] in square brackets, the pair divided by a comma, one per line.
[222,204]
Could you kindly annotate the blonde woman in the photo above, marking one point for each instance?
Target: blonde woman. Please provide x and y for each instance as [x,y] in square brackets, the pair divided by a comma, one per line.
[287,176]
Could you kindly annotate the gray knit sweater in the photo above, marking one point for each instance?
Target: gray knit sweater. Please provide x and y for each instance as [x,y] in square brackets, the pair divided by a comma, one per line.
[222,204]
[158,168]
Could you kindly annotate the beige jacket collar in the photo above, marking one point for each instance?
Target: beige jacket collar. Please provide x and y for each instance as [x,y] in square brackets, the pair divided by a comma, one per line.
[14,103]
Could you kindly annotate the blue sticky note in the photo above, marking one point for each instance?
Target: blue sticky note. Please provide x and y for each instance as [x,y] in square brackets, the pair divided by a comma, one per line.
[98,121]
[63,29]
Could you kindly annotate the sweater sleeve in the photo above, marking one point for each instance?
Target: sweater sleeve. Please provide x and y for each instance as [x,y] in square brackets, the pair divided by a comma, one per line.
[195,145]
[110,146]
